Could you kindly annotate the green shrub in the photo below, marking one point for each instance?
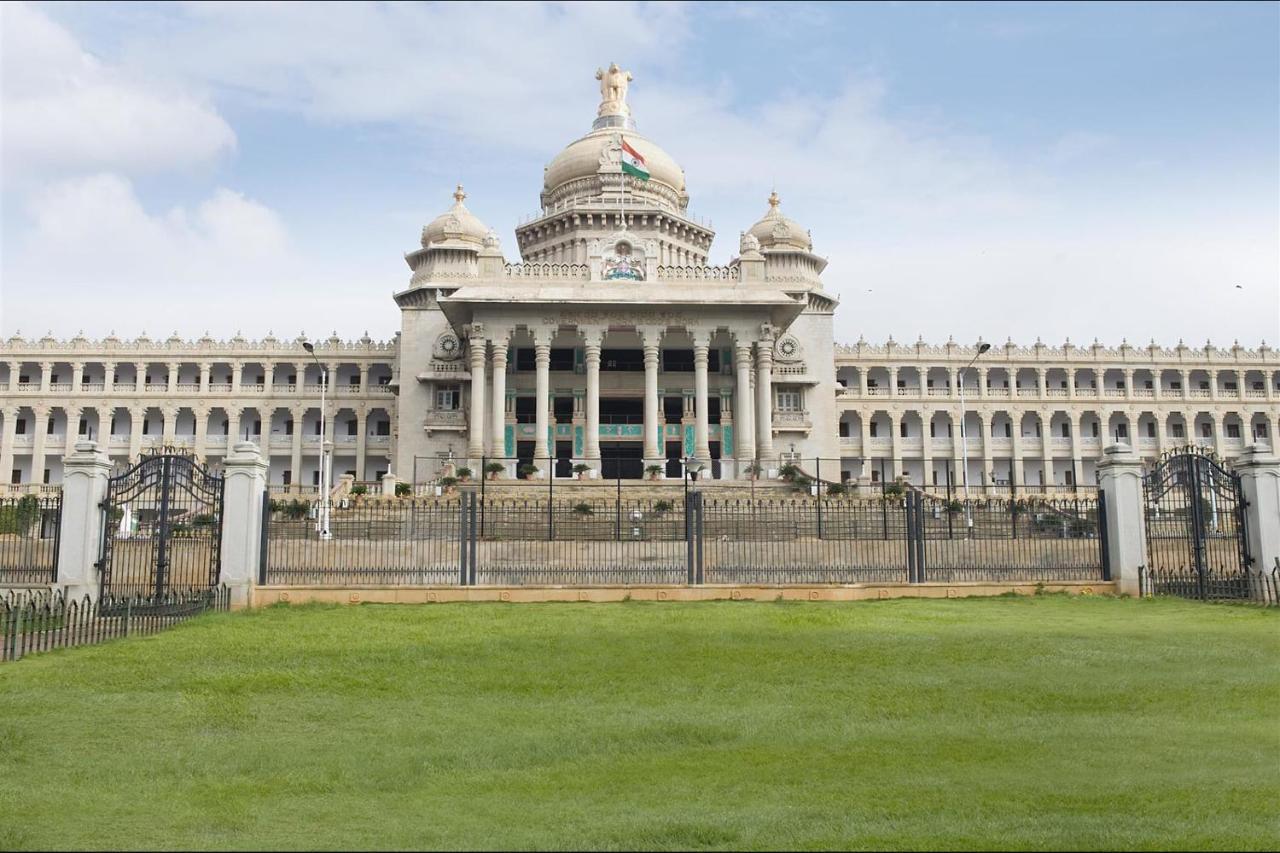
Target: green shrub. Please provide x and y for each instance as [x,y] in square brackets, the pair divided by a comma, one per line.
[788,471]
[653,470]
[581,468]
[895,489]
[583,509]
[836,489]
[528,470]
[403,490]
[359,490]
[464,473]
[493,468]
[20,517]
[448,482]
[662,506]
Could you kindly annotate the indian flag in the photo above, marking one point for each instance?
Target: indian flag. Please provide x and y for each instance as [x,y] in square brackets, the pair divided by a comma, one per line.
[633,163]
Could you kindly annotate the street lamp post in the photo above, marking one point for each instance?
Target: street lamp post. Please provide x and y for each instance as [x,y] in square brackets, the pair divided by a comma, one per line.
[964,442]
[322,520]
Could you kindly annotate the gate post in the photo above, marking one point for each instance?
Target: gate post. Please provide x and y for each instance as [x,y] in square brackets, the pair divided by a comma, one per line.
[84,488]
[1120,482]
[1259,474]
[245,478]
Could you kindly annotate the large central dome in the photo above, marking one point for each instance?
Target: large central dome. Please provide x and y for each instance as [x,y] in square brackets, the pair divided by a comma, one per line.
[597,154]
[586,194]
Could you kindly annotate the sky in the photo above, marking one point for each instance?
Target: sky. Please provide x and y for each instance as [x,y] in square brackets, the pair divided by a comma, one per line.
[998,171]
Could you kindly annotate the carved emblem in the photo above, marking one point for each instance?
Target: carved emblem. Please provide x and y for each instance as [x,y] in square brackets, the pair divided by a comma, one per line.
[748,243]
[448,347]
[622,265]
[788,348]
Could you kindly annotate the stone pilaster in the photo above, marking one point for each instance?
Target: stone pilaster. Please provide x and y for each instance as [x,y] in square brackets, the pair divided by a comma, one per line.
[1120,481]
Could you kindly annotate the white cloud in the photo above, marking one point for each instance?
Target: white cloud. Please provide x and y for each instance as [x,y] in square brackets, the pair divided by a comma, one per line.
[94,252]
[64,110]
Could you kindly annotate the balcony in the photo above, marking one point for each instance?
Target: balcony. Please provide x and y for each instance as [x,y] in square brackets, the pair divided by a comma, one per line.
[220,387]
[792,421]
[60,387]
[939,392]
[156,387]
[93,388]
[1028,392]
[1146,393]
[188,387]
[450,420]
[1199,393]
[1060,443]
[849,444]
[1056,392]
[1114,393]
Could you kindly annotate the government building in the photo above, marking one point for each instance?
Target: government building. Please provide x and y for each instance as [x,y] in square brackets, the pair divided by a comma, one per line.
[609,341]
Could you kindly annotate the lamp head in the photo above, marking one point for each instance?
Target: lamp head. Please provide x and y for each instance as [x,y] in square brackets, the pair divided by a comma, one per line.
[983,347]
[309,347]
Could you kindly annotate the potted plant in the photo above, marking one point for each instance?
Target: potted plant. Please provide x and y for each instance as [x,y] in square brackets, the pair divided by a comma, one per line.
[754,470]
[493,469]
[581,469]
[836,489]
[788,472]
[659,507]
[447,484]
[527,470]
[583,510]
[463,474]
[654,471]
[800,483]
[894,489]
[359,491]
[403,490]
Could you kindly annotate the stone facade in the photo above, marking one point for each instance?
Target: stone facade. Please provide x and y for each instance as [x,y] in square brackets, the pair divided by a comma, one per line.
[612,344]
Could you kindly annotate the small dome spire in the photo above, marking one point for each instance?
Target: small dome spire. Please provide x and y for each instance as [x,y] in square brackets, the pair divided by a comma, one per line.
[457,226]
[777,231]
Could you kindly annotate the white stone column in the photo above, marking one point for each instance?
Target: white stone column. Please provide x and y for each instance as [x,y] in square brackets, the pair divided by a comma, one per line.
[299,415]
[46,376]
[38,441]
[593,340]
[205,369]
[542,417]
[84,487]
[246,479]
[764,400]
[1046,448]
[1259,472]
[744,450]
[6,442]
[701,422]
[202,431]
[171,380]
[362,442]
[137,417]
[475,443]
[15,368]
[1120,481]
[140,376]
[77,376]
[498,411]
[654,452]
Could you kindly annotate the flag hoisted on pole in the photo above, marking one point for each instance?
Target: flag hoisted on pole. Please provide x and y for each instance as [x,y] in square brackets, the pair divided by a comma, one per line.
[632,164]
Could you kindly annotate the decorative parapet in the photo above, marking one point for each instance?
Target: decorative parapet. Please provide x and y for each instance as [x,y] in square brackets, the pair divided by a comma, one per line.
[729,272]
[1067,352]
[235,347]
[547,270]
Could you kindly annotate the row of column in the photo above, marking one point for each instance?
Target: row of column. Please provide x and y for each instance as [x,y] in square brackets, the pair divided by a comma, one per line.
[1074,391]
[171,378]
[753,437]
[168,433]
[1163,440]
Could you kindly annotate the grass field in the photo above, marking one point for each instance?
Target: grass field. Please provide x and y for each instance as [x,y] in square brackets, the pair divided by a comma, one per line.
[1046,722]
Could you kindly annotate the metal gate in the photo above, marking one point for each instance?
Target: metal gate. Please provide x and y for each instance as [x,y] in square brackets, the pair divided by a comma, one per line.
[162,527]
[1197,545]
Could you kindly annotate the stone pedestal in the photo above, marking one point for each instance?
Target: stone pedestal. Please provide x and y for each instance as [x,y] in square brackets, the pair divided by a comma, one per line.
[84,488]
[1259,472]
[389,485]
[245,473]
[1120,481]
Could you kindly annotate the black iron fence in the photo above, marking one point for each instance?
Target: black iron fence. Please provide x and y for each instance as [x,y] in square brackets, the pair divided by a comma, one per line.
[29,526]
[1245,585]
[40,620]
[467,539]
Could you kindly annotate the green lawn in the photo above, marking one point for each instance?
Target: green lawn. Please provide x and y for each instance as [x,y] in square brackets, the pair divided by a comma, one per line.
[1046,722]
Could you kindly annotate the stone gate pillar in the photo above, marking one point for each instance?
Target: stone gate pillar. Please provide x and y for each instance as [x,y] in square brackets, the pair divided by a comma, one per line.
[245,473]
[1259,472]
[1120,481]
[84,488]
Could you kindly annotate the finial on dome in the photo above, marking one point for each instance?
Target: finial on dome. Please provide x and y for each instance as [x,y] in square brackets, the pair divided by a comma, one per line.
[613,90]
[774,201]
[459,194]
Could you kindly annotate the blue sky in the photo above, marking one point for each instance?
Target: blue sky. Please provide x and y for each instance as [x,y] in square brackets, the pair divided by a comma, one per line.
[996,170]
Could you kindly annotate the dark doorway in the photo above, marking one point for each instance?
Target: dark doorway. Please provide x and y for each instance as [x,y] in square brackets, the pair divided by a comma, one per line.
[524,456]
[562,410]
[674,468]
[672,409]
[622,460]
[524,410]
[715,459]
[564,458]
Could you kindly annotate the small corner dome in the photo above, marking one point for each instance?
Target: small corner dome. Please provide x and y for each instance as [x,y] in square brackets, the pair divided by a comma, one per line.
[776,231]
[457,225]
